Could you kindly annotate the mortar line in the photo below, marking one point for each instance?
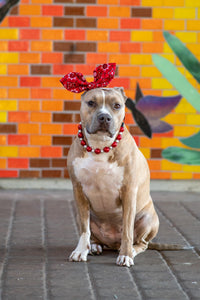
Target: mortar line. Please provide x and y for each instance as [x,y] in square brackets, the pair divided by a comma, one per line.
[173,273]
[7,245]
[187,242]
[134,280]
[44,246]
[190,211]
[89,277]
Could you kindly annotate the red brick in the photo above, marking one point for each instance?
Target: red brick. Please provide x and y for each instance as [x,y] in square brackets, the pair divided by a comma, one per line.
[29,34]
[8,174]
[18,46]
[52,10]
[18,163]
[16,21]
[51,152]
[30,81]
[75,35]
[122,36]
[18,116]
[18,139]
[130,23]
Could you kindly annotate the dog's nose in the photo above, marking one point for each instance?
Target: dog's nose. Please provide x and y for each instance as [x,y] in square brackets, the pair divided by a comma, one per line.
[104,118]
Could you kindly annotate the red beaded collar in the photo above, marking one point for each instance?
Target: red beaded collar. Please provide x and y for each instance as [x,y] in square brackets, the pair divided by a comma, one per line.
[97,150]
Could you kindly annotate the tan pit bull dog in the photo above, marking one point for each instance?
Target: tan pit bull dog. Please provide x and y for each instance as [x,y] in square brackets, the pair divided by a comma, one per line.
[111,181]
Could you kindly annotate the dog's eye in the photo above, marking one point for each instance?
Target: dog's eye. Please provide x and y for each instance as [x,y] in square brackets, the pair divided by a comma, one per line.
[117,106]
[91,103]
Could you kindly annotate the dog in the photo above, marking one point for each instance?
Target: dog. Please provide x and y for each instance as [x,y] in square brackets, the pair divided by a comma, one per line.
[111,181]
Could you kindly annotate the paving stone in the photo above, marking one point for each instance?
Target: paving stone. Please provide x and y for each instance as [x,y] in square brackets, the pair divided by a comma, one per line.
[38,231]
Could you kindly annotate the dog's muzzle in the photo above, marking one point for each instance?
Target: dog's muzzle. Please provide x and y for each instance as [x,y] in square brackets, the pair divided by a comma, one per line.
[102,123]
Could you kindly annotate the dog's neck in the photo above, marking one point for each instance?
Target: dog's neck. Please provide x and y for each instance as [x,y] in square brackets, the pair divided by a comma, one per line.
[99,140]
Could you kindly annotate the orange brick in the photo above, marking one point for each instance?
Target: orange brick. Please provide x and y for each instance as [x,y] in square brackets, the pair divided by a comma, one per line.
[108,47]
[129,71]
[130,47]
[97,35]
[152,24]
[52,58]
[3,139]
[109,23]
[2,163]
[120,11]
[154,165]
[41,22]
[37,93]
[70,129]
[52,105]
[60,69]
[29,58]
[18,116]
[52,34]
[158,36]
[29,10]
[30,34]
[40,140]
[150,143]
[123,59]
[18,70]
[17,21]
[196,176]
[125,82]
[93,11]
[29,105]
[160,175]
[107,2]
[129,118]
[8,81]
[3,46]
[41,46]
[96,58]
[74,34]
[29,152]
[28,128]
[51,128]
[152,48]
[3,93]
[20,93]
[51,82]
[42,1]
[51,151]
[62,94]
[145,83]
[40,117]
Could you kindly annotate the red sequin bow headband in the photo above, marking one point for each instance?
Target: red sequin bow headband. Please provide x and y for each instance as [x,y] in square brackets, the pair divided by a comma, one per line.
[76,83]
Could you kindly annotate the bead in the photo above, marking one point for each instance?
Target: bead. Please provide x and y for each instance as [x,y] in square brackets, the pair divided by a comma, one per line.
[114,144]
[83,143]
[97,151]
[119,137]
[121,129]
[89,149]
[106,149]
[80,135]
[80,127]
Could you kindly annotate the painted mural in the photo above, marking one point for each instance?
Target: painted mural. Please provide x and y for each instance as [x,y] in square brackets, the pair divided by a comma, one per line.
[41,41]
[190,62]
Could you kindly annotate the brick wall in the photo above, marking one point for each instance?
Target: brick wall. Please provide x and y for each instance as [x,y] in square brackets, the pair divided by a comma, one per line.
[42,40]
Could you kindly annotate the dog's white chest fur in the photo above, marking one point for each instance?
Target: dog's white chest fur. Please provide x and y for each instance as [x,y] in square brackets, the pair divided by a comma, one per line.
[101,182]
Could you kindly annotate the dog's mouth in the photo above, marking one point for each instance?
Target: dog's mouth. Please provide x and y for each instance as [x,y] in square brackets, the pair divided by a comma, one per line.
[103,130]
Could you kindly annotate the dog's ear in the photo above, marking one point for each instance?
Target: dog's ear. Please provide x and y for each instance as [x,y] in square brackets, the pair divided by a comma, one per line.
[120,90]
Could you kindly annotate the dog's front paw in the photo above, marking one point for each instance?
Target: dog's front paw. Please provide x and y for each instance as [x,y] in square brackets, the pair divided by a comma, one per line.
[95,249]
[79,255]
[124,260]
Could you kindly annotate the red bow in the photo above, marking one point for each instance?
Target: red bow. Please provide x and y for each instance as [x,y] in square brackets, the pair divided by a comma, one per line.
[76,83]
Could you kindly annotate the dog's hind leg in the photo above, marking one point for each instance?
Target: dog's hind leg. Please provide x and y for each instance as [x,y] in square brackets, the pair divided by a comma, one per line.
[146,228]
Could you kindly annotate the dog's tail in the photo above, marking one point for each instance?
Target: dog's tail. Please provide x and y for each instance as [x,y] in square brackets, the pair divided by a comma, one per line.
[166,247]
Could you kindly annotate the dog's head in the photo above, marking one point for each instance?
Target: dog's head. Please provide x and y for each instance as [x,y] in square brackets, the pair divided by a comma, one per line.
[103,110]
